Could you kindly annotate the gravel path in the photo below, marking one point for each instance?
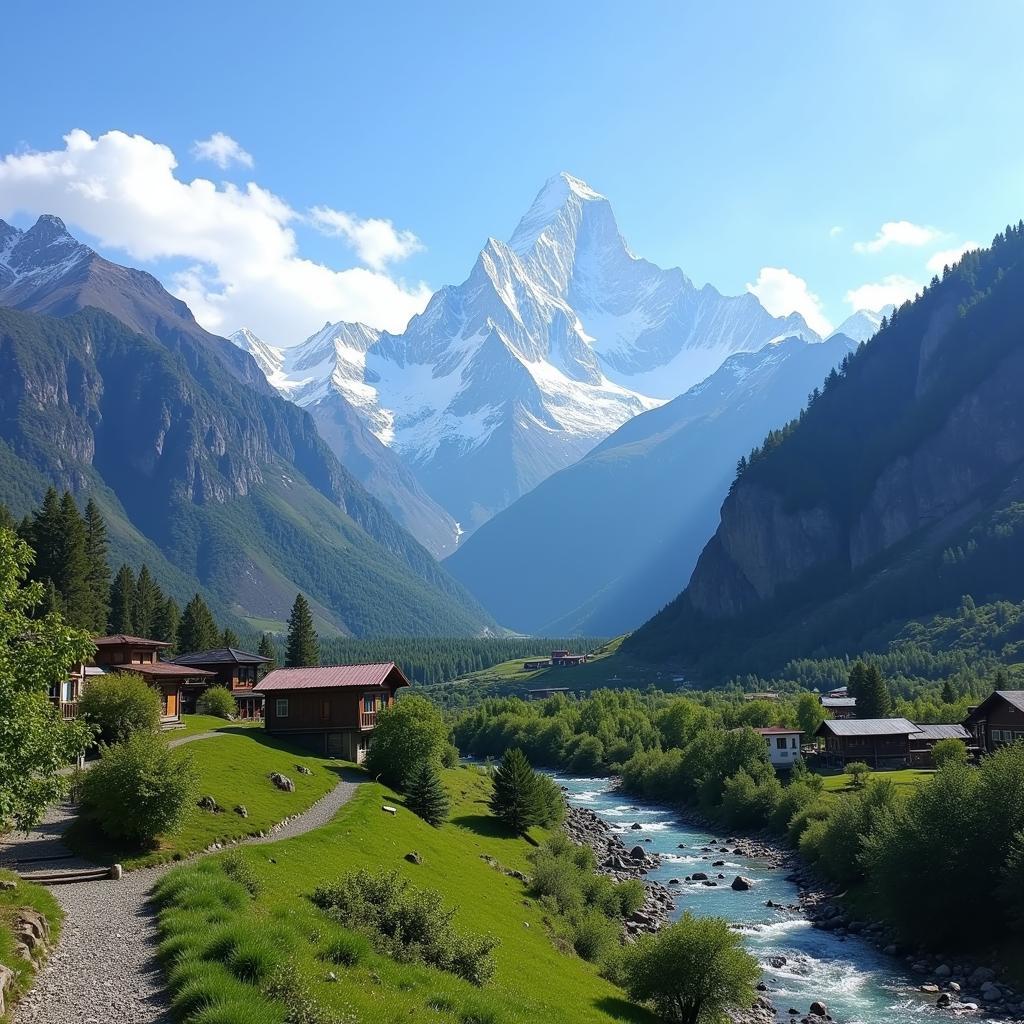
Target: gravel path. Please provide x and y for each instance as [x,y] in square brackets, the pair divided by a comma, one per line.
[104,970]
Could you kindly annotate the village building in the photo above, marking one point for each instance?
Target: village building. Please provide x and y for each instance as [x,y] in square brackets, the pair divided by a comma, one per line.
[566,659]
[533,664]
[923,741]
[783,745]
[136,654]
[879,742]
[840,708]
[998,720]
[331,710]
[547,691]
[237,671]
[766,695]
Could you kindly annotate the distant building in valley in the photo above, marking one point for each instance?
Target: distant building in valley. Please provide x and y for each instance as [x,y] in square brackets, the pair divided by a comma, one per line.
[566,659]
[997,720]
[547,691]
[766,695]
[331,710]
[884,742]
[840,707]
[533,664]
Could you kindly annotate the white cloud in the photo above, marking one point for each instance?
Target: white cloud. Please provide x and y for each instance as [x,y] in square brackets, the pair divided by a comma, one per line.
[222,150]
[376,241]
[898,232]
[894,289]
[242,256]
[947,257]
[835,231]
[781,292]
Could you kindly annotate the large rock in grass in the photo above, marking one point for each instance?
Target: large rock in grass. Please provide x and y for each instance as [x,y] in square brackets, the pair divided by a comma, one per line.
[282,782]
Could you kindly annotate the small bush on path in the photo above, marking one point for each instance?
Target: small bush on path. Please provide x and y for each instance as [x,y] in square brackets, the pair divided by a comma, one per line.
[217,701]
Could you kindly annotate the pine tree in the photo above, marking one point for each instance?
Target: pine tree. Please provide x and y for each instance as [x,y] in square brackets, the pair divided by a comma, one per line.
[122,602]
[303,643]
[165,623]
[42,533]
[148,598]
[516,798]
[425,794]
[72,577]
[855,680]
[948,695]
[267,650]
[874,699]
[197,630]
[98,571]
[229,638]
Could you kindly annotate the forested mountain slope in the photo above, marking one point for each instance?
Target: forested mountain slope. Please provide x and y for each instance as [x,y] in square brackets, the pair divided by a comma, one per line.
[602,545]
[898,490]
[231,487]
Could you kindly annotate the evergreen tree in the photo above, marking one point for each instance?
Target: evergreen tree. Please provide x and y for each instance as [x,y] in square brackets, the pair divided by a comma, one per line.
[7,520]
[122,602]
[42,533]
[948,695]
[98,569]
[425,794]
[229,638]
[148,598]
[516,798]
[71,565]
[267,650]
[165,622]
[874,699]
[855,680]
[197,630]
[303,643]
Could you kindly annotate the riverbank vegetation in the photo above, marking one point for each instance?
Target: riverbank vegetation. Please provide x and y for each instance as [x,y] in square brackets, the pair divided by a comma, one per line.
[900,839]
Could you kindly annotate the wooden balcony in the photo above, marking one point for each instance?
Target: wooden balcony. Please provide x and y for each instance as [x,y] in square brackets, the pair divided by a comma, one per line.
[367,719]
[68,709]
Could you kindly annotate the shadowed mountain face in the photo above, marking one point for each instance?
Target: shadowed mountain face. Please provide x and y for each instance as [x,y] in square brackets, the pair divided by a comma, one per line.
[601,545]
[556,338]
[901,489]
[201,465]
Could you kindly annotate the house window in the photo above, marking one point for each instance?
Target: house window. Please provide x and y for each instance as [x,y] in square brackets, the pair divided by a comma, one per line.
[325,711]
[780,742]
[281,707]
[69,690]
[370,703]
[795,743]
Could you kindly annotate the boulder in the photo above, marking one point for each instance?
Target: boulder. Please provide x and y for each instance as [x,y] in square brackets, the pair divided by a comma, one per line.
[699,876]
[303,770]
[638,853]
[991,992]
[7,885]
[944,1000]
[718,863]
[414,858]
[115,872]
[241,810]
[636,826]
[282,782]
[777,961]
[943,971]
[980,975]
[207,803]
[819,1009]
[6,982]
[388,809]
[929,987]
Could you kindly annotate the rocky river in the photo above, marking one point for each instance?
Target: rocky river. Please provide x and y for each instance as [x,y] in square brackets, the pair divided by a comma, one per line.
[808,951]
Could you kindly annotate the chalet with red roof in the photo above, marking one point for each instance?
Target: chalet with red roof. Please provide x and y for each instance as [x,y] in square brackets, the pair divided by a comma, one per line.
[332,710]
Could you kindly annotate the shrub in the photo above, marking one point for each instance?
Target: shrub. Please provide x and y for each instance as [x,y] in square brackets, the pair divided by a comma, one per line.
[217,701]
[691,971]
[238,869]
[949,751]
[207,984]
[346,949]
[858,772]
[426,795]
[248,1009]
[139,789]
[407,922]
[594,936]
[119,706]
[750,804]
[409,732]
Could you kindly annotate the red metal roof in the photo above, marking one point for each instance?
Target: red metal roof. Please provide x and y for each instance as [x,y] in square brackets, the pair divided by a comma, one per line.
[777,730]
[329,676]
[122,638]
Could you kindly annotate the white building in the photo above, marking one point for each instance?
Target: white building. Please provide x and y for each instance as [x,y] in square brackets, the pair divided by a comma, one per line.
[783,745]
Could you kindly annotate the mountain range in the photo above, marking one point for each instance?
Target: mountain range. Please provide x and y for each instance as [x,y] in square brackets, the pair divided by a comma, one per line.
[557,337]
[900,489]
[610,538]
[109,387]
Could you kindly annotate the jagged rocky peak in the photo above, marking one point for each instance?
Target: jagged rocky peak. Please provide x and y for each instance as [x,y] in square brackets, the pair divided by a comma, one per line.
[43,247]
[268,358]
[863,324]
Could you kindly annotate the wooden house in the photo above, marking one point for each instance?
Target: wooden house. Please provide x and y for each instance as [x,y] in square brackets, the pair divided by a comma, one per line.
[533,664]
[566,659]
[880,742]
[840,708]
[783,745]
[331,710]
[136,654]
[547,691]
[922,742]
[998,720]
[237,671]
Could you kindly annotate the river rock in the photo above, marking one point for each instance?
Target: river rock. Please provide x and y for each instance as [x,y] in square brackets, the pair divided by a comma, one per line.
[699,876]
[636,826]
[741,884]
[944,1000]
[980,975]
[638,853]
[818,1008]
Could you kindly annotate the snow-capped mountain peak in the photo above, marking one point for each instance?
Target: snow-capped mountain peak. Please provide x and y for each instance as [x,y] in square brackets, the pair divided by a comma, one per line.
[555,339]
[43,253]
[863,324]
[268,358]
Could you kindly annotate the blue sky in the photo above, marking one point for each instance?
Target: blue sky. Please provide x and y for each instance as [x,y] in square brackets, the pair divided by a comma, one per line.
[729,138]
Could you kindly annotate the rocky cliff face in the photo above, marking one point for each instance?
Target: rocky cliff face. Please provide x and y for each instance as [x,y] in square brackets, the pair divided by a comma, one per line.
[842,520]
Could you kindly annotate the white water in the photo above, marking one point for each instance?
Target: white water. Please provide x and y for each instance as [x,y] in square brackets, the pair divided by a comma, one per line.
[859,984]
